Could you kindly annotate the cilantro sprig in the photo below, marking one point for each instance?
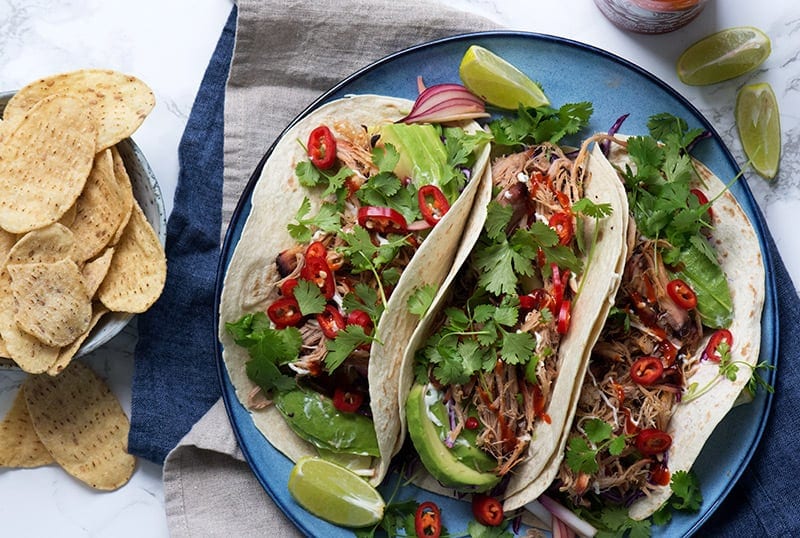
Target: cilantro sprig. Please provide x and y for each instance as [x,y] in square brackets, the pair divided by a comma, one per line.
[583,451]
[541,124]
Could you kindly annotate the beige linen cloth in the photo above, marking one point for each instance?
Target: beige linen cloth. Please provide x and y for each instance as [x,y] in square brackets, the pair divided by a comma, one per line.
[286,54]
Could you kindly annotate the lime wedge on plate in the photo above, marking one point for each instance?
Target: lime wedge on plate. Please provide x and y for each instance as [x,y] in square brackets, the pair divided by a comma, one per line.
[759,124]
[334,493]
[723,55]
[497,82]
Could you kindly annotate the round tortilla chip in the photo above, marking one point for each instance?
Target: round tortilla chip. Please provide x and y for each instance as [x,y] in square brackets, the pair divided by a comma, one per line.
[51,302]
[82,424]
[29,353]
[99,210]
[119,102]
[44,163]
[95,271]
[19,444]
[67,353]
[45,245]
[138,268]
[124,190]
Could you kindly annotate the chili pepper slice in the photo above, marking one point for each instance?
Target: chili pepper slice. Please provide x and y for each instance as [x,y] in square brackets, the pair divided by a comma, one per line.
[562,224]
[560,281]
[285,312]
[382,220]
[646,370]
[703,199]
[652,441]
[317,270]
[316,248]
[432,203]
[471,423]
[682,294]
[711,351]
[428,520]
[330,321]
[322,147]
[288,286]
[359,317]
[537,299]
[347,401]
[564,317]
[487,510]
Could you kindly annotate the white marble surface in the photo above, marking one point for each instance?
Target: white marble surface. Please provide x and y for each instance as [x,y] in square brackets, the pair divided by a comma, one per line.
[168,44]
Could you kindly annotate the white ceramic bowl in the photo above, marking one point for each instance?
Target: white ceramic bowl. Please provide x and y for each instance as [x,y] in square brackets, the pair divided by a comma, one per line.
[148,194]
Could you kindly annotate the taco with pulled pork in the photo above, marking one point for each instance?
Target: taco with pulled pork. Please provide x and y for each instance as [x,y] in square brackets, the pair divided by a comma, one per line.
[489,376]
[681,342]
[353,209]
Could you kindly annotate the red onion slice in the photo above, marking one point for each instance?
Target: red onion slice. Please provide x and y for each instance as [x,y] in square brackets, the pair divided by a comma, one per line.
[445,102]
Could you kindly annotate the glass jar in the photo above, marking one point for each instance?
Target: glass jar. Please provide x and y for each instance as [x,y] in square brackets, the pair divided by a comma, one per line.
[650,16]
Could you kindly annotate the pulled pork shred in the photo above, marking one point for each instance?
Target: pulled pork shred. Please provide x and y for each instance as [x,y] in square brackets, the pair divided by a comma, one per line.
[508,404]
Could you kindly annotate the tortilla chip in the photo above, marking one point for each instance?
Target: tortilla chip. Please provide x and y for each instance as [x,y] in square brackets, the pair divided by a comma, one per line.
[120,102]
[28,352]
[45,245]
[138,269]
[69,217]
[95,271]
[67,353]
[19,444]
[124,190]
[99,210]
[82,424]
[51,302]
[44,163]
[7,240]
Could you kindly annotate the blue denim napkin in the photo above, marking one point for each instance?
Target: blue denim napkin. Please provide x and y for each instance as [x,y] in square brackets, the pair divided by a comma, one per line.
[175,378]
[175,375]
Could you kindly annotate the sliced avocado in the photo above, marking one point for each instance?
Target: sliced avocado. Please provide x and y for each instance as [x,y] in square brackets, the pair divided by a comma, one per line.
[439,460]
[465,448]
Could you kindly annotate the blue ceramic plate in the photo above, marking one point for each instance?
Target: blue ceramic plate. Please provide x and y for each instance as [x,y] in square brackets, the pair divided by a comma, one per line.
[569,72]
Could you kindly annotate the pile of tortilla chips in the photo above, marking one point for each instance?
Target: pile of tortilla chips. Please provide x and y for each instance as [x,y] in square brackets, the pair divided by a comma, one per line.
[74,242]
[74,246]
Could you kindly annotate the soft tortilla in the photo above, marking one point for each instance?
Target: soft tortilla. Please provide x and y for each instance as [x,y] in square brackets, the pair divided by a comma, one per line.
[248,281]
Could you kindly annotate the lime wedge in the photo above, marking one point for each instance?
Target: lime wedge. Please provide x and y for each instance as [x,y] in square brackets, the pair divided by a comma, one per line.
[759,124]
[497,82]
[334,493]
[723,55]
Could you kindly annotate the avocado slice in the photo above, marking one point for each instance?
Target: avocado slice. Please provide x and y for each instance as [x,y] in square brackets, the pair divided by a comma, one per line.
[439,460]
[465,448]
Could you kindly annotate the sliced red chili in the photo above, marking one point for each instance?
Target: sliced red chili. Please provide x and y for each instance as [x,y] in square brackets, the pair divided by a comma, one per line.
[562,224]
[347,401]
[564,317]
[647,370]
[471,423]
[682,294]
[285,312]
[432,203]
[318,249]
[322,147]
[359,317]
[428,520]
[560,281]
[537,299]
[288,286]
[712,351]
[667,351]
[652,441]
[317,270]
[330,321]
[659,474]
[703,199]
[382,220]
[487,510]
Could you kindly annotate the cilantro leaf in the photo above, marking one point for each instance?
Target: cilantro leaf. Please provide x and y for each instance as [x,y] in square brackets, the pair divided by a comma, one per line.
[346,341]
[587,207]
[309,297]
[327,219]
[685,491]
[581,458]
[421,299]
[517,347]
[597,430]
[541,124]
[385,157]
[478,530]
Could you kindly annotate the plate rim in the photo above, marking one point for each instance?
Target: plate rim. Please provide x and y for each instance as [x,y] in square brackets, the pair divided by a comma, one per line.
[757,220]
